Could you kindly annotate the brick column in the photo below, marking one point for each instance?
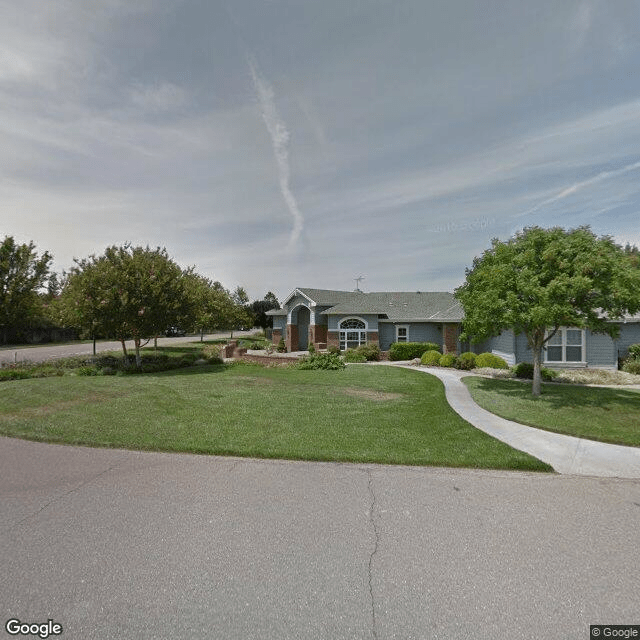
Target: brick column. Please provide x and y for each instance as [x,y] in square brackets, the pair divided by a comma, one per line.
[450,337]
[333,338]
[276,336]
[292,340]
[373,337]
[317,333]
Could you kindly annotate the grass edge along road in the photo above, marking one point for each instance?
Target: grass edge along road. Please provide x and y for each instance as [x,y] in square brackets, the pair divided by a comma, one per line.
[609,415]
[362,414]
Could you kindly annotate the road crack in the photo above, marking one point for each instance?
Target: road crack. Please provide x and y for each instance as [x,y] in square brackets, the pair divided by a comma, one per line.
[376,535]
[62,496]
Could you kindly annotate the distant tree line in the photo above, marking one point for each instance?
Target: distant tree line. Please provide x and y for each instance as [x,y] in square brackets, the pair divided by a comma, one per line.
[127,293]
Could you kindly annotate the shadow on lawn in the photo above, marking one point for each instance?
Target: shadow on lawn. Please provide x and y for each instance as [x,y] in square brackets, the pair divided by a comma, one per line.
[558,396]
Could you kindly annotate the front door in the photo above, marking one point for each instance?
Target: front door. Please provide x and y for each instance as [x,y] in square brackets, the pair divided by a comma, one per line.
[303,328]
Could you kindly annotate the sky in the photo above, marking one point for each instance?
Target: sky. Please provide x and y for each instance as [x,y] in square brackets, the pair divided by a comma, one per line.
[276,144]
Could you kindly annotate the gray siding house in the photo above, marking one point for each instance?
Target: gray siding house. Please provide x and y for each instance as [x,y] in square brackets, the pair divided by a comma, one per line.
[347,319]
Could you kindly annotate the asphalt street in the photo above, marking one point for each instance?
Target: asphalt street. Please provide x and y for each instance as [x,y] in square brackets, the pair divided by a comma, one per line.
[119,544]
[48,352]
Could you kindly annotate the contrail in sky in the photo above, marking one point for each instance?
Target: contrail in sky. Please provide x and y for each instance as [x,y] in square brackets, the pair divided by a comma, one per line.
[280,141]
[574,188]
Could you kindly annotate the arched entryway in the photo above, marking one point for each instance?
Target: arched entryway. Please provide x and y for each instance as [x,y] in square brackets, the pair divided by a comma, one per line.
[303,320]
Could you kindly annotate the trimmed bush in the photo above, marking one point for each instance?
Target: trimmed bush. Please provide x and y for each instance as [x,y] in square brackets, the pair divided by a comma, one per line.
[466,361]
[632,366]
[490,361]
[311,349]
[351,355]
[371,352]
[411,350]
[431,358]
[282,346]
[524,370]
[328,361]
[447,360]
[332,348]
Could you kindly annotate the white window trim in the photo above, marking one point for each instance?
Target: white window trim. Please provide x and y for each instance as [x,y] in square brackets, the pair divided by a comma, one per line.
[343,332]
[563,332]
[402,326]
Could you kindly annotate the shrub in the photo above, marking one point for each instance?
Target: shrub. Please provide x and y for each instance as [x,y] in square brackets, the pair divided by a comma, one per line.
[447,360]
[524,370]
[351,355]
[14,374]
[89,370]
[329,361]
[466,361]
[282,347]
[634,351]
[312,349]
[332,348]
[632,366]
[431,358]
[371,352]
[491,361]
[410,350]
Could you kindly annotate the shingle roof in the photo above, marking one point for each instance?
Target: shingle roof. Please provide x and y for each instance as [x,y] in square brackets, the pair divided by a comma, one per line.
[324,297]
[433,305]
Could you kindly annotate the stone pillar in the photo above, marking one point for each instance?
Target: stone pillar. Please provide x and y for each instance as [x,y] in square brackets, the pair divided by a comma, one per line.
[292,340]
[450,338]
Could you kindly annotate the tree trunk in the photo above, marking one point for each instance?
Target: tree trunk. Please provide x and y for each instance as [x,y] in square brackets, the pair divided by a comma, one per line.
[536,388]
[202,334]
[124,348]
[136,342]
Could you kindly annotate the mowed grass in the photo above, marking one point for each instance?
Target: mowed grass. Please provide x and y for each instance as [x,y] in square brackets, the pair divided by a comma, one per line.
[361,414]
[607,415]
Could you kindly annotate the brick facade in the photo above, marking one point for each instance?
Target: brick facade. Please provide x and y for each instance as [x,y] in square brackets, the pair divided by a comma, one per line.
[292,340]
[450,338]
[276,336]
[373,337]
[317,334]
[333,339]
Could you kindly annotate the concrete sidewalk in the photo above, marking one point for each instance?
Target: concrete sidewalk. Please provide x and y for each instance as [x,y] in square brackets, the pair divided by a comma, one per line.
[565,454]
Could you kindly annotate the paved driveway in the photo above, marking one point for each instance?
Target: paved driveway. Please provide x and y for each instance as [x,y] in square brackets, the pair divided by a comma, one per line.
[118,544]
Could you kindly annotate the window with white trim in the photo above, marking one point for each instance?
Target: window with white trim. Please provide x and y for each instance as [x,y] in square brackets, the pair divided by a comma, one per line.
[566,346]
[353,333]
[402,333]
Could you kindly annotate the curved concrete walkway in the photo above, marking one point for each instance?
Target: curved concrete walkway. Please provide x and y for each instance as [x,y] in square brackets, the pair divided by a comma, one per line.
[565,454]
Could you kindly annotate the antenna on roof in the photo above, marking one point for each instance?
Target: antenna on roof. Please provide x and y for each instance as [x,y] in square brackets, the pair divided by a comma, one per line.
[358,280]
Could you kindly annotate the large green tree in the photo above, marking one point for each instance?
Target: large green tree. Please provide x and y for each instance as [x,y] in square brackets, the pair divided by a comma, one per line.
[211,305]
[260,308]
[129,293]
[544,279]
[22,274]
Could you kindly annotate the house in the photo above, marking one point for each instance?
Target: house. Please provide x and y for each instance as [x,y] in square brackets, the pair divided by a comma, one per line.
[347,319]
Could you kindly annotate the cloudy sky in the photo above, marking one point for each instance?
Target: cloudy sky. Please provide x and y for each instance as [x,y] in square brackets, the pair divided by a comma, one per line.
[284,143]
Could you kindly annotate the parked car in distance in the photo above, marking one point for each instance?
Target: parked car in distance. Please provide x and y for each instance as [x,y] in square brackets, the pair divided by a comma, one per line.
[173,332]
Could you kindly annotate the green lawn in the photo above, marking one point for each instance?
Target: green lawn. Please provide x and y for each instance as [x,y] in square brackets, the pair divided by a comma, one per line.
[608,415]
[361,414]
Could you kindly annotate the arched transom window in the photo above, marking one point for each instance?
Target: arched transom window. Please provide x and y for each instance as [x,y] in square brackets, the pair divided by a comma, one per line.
[353,333]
